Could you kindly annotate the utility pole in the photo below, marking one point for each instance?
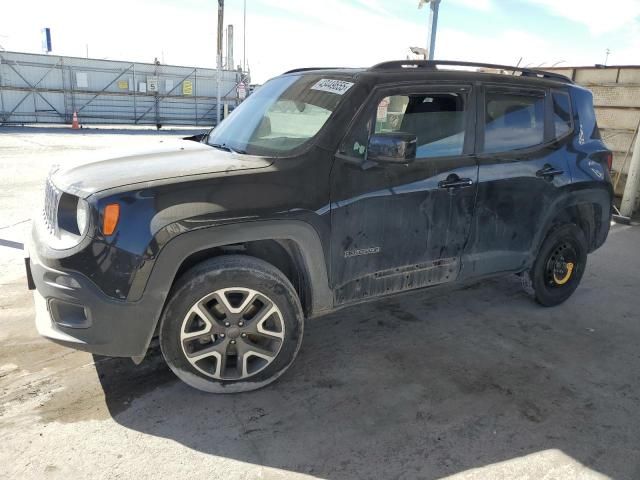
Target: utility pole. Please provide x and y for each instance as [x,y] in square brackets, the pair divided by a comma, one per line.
[230,65]
[632,187]
[434,8]
[219,57]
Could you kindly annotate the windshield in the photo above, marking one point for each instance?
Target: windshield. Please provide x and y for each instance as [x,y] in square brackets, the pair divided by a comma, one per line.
[280,116]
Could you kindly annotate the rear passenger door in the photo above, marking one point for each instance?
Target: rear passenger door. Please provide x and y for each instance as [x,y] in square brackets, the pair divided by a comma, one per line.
[396,227]
[521,139]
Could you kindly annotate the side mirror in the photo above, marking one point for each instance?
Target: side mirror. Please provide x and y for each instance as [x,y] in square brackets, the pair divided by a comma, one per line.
[397,147]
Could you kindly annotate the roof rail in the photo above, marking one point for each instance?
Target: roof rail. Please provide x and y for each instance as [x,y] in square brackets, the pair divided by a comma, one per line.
[432,64]
[307,69]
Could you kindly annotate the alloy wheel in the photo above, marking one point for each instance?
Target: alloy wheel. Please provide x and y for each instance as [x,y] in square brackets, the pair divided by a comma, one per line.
[232,333]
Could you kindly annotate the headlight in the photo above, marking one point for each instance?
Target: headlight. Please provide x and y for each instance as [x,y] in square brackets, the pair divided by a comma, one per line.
[66,218]
[72,218]
[82,216]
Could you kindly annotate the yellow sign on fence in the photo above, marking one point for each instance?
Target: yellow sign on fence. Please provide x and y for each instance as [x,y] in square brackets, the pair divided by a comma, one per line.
[187,87]
[123,84]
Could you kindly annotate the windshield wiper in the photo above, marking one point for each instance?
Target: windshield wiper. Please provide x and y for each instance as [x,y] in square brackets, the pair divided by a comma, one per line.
[224,147]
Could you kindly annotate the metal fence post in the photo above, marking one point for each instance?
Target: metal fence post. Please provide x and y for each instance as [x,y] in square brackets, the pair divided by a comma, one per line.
[135,88]
[72,90]
[35,107]
[155,96]
[195,92]
[1,91]
[64,91]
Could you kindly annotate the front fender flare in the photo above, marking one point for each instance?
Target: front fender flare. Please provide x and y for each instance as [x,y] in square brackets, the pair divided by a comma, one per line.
[177,250]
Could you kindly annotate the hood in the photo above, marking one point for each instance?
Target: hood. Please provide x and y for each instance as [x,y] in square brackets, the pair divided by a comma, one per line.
[173,159]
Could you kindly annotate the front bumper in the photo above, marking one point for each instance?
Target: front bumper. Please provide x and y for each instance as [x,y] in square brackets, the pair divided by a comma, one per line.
[72,311]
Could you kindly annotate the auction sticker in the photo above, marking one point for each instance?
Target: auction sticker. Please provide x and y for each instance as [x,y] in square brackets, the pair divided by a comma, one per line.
[339,87]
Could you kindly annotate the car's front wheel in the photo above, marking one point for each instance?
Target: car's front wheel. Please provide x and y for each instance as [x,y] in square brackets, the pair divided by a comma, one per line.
[232,324]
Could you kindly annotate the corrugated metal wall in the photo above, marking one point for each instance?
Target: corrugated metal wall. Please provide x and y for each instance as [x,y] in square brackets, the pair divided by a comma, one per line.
[616,96]
[48,89]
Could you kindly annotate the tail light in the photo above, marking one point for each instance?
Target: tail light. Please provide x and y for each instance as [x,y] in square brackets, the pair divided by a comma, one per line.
[609,157]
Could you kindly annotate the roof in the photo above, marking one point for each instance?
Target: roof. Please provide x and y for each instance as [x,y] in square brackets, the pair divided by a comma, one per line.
[428,66]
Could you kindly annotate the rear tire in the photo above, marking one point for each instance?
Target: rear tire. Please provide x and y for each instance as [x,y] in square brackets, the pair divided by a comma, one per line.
[232,324]
[560,264]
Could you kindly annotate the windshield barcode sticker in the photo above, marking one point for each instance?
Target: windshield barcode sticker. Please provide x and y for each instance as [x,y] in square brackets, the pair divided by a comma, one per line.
[338,87]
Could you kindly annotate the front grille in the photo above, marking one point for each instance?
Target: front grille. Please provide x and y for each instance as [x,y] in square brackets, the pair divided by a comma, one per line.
[50,211]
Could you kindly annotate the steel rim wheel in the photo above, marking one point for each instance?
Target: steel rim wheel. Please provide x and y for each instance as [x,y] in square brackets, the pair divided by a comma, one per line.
[232,333]
[562,265]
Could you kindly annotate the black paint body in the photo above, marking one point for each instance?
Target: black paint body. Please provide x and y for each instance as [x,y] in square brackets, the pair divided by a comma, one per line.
[354,230]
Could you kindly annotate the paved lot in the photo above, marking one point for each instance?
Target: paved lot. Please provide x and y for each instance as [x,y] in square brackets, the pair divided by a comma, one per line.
[471,383]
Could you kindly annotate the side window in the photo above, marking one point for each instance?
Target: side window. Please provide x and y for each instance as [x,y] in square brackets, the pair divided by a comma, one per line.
[512,121]
[437,120]
[390,112]
[561,113]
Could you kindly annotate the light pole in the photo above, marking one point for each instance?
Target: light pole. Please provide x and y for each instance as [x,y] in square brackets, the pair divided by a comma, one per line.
[244,38]
[433,24]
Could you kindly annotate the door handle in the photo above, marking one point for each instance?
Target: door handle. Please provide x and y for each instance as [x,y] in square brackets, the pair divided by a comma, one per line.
[548,172]
[454,181]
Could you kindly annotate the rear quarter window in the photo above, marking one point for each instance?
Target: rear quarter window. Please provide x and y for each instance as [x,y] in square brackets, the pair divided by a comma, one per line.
[562,121]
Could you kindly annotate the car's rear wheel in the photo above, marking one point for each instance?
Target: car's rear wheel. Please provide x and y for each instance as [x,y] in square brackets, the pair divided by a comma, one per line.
[232,324]
[560,264]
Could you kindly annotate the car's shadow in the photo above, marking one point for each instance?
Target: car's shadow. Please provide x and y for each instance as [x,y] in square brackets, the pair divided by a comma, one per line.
[418,386]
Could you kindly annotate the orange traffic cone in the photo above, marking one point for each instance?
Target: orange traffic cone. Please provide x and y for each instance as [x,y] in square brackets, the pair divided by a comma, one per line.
[74,124]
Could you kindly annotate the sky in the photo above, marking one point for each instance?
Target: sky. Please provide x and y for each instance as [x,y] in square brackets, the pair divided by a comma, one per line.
[286,34]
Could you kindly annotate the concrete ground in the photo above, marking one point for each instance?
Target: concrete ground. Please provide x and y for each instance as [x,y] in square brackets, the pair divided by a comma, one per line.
[467,383]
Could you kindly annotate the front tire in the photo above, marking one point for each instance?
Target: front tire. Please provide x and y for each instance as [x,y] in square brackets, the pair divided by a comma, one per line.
[232,324]
[560,264]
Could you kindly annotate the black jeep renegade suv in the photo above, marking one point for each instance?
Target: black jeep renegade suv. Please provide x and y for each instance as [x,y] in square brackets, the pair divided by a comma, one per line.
[325,188]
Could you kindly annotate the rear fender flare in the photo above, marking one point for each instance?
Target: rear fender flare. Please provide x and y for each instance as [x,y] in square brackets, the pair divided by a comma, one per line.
[600,196]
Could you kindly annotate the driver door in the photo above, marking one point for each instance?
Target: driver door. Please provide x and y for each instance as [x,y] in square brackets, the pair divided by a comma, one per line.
[397,227]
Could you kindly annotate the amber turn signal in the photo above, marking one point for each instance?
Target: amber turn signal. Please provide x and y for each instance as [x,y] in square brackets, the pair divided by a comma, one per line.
[110,218]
